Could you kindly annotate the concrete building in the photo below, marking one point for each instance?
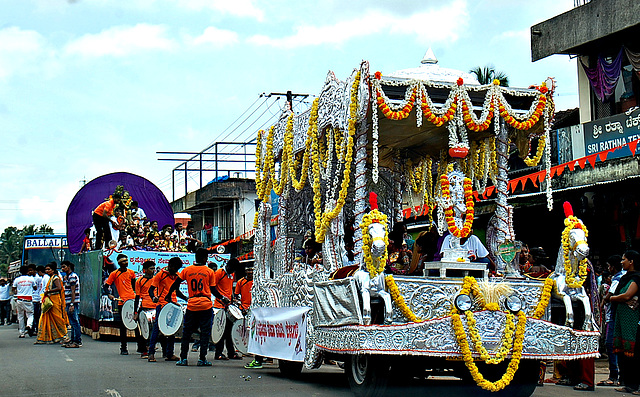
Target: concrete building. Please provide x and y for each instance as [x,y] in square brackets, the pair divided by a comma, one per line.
[604,36]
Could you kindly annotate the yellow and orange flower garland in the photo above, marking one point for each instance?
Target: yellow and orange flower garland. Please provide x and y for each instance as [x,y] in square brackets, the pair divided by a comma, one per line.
[545,295]
[323,220]
[573,280]
[394,291]
[470,287]
[312,132]
[448,212]
[532,162]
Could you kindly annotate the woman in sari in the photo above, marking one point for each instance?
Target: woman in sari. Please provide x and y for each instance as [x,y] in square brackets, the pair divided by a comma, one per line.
[626,322]
[53,323]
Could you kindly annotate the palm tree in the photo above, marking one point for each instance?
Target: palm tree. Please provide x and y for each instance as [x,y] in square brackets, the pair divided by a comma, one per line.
[487,74]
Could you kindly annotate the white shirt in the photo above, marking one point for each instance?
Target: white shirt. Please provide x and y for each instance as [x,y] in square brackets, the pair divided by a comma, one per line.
[4,292]
[37,292]
[45,281]
[24,287]
[473,245]
[140,213]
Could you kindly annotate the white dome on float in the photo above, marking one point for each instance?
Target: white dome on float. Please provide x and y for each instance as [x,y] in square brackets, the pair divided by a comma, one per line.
[429,70]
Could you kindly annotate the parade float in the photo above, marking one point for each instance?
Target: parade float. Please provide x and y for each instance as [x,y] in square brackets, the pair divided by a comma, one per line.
[437,140]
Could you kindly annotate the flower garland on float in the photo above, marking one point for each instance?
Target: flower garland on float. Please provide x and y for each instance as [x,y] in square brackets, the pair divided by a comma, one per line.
[323,220]
[532,162]
[448,212]
[312,131]
[545,295]
[572,222]
[470,287]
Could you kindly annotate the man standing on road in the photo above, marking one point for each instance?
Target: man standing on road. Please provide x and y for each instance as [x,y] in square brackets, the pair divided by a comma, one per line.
[5,302]
[200,281]
[23,287]
[36,297]
[159,293]
[123,279]
[71,283]
[223,291]
[101,216]
[143,301]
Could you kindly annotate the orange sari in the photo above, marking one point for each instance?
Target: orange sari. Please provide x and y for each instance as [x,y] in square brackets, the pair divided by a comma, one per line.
[53,323]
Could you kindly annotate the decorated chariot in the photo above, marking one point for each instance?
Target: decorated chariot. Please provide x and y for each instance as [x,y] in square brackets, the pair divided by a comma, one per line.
[435,141]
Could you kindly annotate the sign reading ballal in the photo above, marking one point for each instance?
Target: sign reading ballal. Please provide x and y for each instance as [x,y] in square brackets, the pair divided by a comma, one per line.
[278,332]
[45,242]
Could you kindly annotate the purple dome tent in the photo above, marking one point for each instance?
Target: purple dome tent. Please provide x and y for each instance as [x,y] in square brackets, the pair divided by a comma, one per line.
[148,196]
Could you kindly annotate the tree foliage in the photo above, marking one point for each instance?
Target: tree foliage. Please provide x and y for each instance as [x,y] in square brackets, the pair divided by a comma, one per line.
[11,243]
[487,74]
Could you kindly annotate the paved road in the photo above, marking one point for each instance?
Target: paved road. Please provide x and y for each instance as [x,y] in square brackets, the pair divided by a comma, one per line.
[98,370]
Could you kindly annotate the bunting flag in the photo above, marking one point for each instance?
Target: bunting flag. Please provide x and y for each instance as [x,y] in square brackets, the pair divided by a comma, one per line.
[538,177]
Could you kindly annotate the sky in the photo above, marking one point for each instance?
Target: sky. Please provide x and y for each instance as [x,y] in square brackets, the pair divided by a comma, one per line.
[91,87]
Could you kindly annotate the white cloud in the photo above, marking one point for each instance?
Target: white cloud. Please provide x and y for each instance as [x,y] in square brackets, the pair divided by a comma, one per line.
[434,25]
[216,37]
[122,41]
[19,50]
[238,8]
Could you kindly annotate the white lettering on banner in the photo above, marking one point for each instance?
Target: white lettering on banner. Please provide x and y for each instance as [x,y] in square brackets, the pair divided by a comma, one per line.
[278,332]
[597,131]
[32,243]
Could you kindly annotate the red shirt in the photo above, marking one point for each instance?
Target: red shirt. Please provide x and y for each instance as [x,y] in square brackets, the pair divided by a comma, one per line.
[122,282]
[199,279]
[163,281]
[224,284]
[142,290]
[243,288]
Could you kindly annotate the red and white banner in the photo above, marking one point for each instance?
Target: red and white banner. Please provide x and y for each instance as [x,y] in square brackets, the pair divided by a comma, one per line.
[278,332]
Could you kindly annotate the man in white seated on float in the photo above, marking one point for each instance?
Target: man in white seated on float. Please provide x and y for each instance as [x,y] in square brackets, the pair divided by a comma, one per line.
[469,248]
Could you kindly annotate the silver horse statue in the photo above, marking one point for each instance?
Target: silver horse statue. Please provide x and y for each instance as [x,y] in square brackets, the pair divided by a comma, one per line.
[374,286]
[578,250]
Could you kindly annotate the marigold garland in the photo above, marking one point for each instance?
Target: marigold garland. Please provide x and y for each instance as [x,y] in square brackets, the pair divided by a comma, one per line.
[323,220]
[532,162]
[448,212]
[312,131]
[399,300]
[573,280]
[470,287]
[545,295]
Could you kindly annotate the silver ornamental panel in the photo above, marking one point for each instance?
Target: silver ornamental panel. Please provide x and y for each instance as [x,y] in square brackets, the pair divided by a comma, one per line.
[436,338]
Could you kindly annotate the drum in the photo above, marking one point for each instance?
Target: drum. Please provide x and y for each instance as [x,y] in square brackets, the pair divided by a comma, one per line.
[170,318]
[240,335]
[234,313]
[127,315]
[145,322]
[219,322]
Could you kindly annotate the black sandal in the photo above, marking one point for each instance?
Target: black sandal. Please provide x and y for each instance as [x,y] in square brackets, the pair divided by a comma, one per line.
[608,382]
[583,387]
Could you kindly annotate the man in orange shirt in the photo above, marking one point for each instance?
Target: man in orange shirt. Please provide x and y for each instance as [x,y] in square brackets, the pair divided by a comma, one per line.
[123,279]
[243,290]
[143,301]
[161,294]
[200,281]
[101,216]
[224,287]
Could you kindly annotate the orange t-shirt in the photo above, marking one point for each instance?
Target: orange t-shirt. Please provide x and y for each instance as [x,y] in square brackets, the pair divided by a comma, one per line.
[122,282]
[199,279]
[243,288]
[224,284]
[142,290]
[108,205]
[163,281]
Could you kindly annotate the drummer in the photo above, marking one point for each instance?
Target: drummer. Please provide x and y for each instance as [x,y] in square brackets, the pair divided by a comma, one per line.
[123,279]
[200,281]
[223,292]
[243,290]
[159,293]
[143,301]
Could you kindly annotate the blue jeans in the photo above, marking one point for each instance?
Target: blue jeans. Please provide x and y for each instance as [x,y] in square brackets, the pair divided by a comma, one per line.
[613,358]
[202,319]
[74,322]
[167,344]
